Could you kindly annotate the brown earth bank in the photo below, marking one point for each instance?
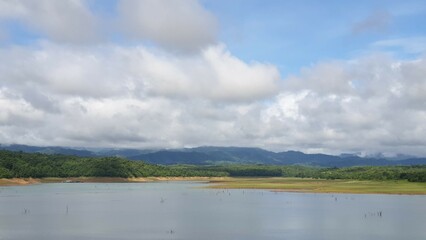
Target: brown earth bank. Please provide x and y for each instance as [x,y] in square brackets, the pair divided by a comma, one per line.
[18,181]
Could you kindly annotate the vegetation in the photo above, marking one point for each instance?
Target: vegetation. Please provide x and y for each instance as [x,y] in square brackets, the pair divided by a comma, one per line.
[410,173]
[37,165]
[322,185]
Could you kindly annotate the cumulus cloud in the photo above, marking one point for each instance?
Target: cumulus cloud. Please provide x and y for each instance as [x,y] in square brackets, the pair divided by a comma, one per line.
[111,71]
[214,74]
[68,21]
[130,96]
[176,25]
[182,26]
[372,104]
[325,78]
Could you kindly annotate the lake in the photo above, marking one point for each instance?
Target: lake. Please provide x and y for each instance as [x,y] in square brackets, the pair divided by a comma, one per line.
[184,210]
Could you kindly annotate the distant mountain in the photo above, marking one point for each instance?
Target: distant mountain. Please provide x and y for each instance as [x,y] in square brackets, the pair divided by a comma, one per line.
[241,155]
[124,153]
[168,157]
[48,150]
[227,155]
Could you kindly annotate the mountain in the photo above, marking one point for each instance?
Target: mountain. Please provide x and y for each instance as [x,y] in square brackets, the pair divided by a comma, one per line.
[209,155]
[226,155]
[241,155]
[48,150]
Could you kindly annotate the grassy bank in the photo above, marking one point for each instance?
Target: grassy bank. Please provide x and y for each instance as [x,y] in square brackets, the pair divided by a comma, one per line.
[322,185]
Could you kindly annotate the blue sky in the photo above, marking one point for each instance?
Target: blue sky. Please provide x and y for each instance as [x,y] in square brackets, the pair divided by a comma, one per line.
[315,76]
[293,34]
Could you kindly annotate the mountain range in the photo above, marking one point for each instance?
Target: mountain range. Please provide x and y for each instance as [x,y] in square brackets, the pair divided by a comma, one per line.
[226,155]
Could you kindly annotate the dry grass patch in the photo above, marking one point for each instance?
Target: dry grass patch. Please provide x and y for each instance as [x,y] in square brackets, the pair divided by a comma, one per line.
[322,185]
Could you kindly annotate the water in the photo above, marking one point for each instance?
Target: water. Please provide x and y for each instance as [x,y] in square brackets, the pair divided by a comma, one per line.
[182,210]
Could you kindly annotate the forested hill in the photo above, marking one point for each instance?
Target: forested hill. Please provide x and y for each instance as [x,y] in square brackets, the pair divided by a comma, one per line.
[38,165]
[226,155]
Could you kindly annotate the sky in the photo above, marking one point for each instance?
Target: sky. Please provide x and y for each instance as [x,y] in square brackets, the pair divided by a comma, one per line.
[315,76]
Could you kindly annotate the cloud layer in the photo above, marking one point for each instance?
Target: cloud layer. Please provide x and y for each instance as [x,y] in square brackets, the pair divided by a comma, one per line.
[132,96]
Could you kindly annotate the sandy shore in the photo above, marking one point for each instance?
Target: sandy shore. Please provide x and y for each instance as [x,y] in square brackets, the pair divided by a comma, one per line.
[18,181]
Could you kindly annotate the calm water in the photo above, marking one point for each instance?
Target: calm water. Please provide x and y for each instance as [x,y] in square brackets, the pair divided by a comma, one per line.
[184,211]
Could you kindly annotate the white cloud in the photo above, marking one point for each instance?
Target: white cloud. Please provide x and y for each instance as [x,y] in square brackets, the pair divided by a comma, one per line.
[68,21]
[183,26]
[17,112]
[128,96]
[325,78]
[138,97]
[383,110]
[214,74]
[111,71]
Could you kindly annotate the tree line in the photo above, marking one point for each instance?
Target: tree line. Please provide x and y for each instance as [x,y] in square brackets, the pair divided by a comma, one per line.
[381,173]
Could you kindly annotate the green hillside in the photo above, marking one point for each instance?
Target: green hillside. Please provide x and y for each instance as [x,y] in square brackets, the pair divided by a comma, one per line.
[38,165]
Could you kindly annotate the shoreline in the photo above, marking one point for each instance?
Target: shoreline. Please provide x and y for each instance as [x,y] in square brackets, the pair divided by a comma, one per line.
[4,182]
[274,184]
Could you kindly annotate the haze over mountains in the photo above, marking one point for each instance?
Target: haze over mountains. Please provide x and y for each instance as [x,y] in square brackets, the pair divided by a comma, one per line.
[226,155]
